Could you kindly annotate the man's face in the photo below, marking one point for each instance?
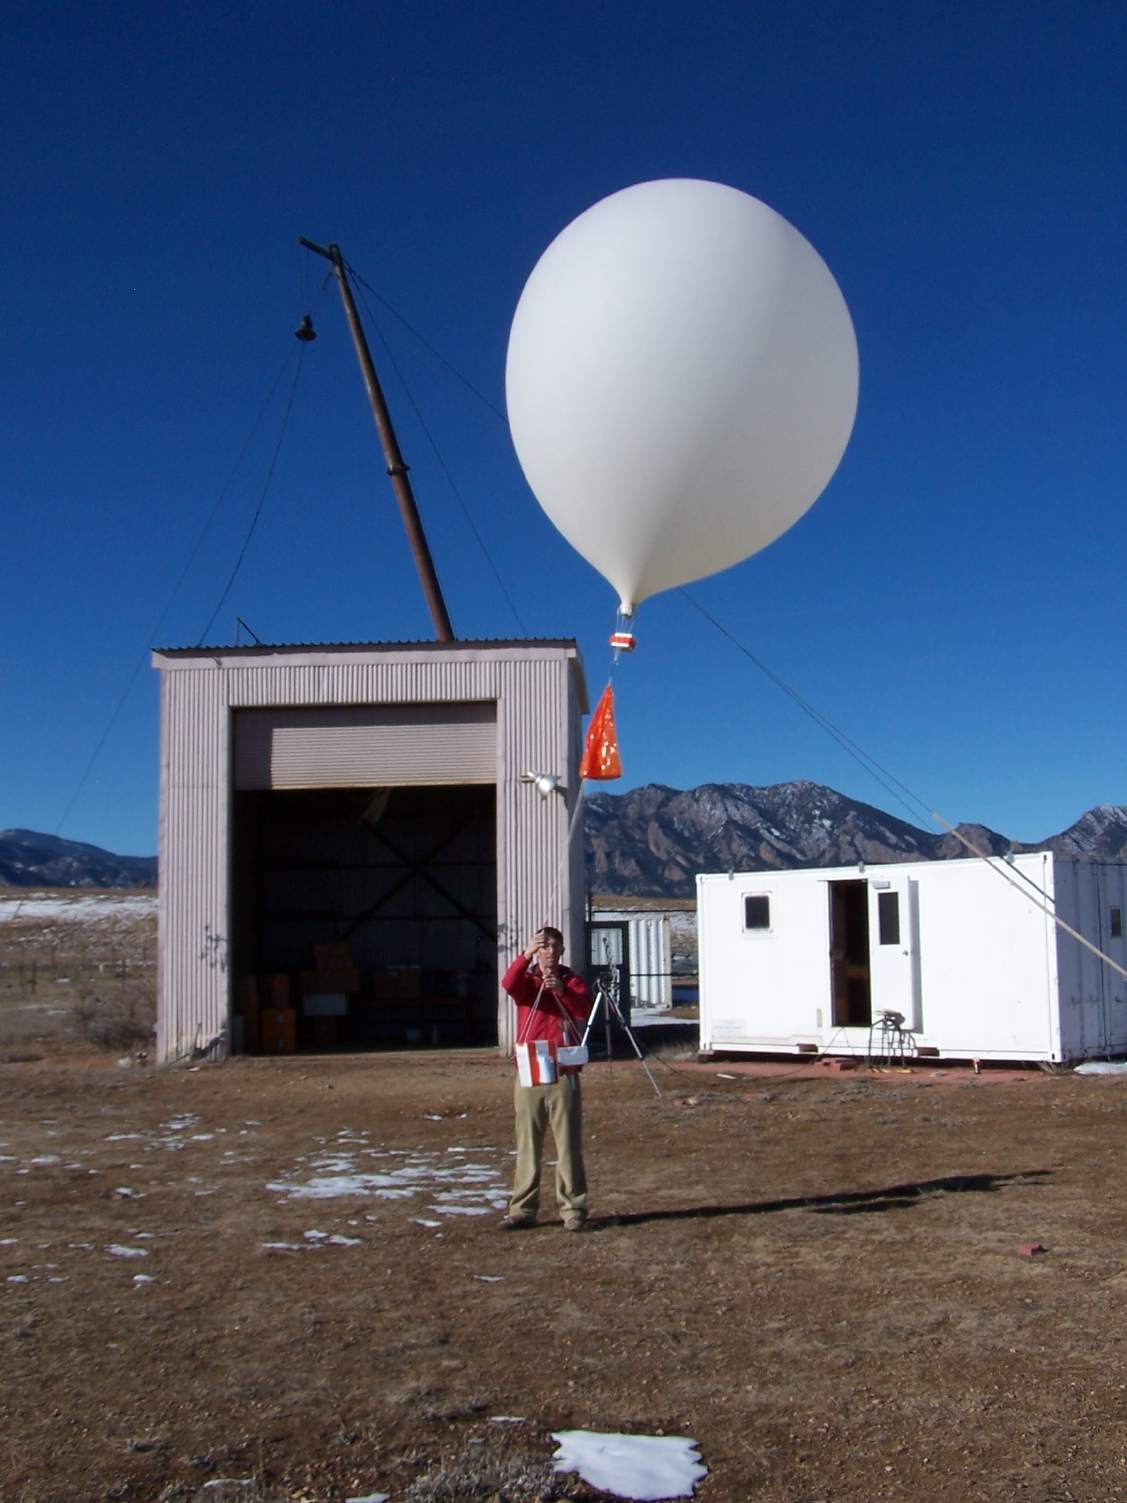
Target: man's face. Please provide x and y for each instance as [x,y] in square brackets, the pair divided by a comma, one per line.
[550,950]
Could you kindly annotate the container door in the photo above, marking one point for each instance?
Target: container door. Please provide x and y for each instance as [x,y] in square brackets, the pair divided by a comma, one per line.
[608,960]
[850,981]
[894,948]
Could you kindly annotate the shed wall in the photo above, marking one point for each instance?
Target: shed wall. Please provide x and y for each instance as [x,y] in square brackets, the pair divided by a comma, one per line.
[538,696]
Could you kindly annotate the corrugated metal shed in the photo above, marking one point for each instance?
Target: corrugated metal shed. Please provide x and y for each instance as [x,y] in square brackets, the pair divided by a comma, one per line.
[643,949]
[274,722]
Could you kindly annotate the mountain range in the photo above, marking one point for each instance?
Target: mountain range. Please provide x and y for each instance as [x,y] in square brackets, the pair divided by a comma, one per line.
[28,859]
[652,841]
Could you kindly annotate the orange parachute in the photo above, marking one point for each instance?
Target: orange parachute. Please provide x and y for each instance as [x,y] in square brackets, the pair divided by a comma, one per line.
[601,761]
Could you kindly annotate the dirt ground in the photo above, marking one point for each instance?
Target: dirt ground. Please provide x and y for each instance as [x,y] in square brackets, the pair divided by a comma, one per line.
[817,1276]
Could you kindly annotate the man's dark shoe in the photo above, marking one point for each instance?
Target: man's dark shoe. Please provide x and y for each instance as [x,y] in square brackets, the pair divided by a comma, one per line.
[517,1223]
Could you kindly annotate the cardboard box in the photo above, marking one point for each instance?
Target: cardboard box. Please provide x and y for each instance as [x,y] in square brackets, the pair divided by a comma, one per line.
[328,957]
[398,983]
[536,1063]
[344,978]
[277,1030]
[277,992]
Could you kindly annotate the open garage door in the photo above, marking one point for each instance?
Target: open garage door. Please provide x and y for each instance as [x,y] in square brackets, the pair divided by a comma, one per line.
[365,878]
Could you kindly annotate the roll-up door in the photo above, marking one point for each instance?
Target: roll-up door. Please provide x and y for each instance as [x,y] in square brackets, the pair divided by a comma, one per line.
[366,746]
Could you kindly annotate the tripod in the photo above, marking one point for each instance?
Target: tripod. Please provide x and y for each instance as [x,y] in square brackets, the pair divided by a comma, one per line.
[606,989]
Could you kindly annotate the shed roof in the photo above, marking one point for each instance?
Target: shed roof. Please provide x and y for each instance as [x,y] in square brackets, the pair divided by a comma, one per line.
[257,649]
[251,653]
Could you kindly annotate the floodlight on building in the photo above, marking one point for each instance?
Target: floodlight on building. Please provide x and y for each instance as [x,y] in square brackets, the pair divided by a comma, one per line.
[545,783]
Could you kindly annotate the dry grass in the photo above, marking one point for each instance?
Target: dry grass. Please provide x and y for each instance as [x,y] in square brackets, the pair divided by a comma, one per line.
[117,1014]
[819,1281]
[466,1476]
[77,965]
[225,1490]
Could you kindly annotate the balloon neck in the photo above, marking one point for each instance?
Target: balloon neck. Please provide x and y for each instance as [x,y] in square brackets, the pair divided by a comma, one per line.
[622,638]
[626,611]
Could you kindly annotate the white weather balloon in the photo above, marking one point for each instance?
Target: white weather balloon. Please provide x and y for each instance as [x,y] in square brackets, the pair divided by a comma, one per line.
[681,382]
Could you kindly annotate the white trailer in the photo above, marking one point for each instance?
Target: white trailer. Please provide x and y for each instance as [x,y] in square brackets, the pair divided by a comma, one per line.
[814,961]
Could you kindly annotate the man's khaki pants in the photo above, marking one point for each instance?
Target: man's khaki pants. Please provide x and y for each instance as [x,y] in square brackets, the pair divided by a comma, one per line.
[561,1105]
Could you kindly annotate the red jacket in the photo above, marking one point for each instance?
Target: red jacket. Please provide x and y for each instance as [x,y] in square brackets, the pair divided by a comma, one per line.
[522,982]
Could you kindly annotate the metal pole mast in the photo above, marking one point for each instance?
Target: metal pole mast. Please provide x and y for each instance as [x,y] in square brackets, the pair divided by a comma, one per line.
[396,467]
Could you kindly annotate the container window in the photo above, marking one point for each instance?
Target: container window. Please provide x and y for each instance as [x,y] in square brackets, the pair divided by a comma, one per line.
[1117,923]
[888,917]
[757,911]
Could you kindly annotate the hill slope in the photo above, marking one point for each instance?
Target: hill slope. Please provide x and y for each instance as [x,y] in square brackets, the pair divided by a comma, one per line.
[29,859]
[652,841]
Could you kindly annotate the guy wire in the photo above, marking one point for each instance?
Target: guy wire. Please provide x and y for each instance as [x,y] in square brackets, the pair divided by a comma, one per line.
[1036,895]
[453,369]
[501,585]
[859,755]
[170,598]
[262,496]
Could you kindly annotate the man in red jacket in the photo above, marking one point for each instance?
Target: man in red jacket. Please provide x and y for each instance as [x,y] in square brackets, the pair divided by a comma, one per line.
[552,1004]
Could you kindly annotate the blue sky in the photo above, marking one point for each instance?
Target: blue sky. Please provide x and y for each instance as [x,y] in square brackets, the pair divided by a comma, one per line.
[953,602]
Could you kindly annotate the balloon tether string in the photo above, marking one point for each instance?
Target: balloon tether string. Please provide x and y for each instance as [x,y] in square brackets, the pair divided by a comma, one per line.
[1037,896]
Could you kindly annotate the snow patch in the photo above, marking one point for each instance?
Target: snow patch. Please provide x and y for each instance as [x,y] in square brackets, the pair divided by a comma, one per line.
[642,1467]
[463,1187]
[84,910]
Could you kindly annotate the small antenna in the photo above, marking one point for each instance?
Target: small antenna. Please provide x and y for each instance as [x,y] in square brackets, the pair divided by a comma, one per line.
[241,624]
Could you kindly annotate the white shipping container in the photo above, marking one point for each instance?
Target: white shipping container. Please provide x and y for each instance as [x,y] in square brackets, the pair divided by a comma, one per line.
[808,961]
